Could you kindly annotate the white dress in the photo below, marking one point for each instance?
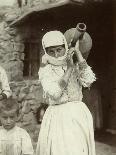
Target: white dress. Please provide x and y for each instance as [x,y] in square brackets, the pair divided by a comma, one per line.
[67,126]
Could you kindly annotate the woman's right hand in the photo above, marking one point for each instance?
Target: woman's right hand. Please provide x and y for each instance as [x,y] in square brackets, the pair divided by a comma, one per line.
[70,58]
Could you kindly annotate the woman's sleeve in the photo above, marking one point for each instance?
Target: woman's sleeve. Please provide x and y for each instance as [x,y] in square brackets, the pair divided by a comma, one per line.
[86,76]
[50,85]
[5,84]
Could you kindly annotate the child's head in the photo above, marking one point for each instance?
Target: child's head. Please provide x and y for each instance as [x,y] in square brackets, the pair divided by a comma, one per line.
[55,47]
[9,110]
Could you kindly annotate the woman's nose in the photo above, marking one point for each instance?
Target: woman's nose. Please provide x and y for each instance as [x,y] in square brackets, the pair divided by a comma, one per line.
[56,54]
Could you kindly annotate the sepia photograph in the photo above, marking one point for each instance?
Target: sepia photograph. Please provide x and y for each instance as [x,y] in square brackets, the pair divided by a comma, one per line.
[57,77]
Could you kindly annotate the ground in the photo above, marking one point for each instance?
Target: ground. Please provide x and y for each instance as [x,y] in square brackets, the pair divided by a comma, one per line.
[104,149]
[105,143]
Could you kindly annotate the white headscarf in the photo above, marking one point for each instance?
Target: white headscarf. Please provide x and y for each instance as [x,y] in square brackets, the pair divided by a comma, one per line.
[54,38]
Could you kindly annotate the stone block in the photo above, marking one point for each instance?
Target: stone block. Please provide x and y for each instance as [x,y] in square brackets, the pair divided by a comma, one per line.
[16,76]
[30,96]
[22,56]
[18,38]
[18,47]
[7,46]
[1,58]
[26,107]
[21,97]
[25,90]
[5,37]
[10,17]
[14,73]
[14,66]
[12,56]
[2,24]
[12,31]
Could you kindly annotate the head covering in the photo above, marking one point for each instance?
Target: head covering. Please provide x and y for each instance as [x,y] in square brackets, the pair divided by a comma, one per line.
[54,38]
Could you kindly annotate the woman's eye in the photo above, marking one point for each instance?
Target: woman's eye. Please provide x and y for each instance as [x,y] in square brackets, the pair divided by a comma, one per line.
[51,52]
[59,49]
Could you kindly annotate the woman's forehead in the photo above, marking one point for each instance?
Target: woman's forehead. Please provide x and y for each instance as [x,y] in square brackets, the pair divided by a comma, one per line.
[55,47]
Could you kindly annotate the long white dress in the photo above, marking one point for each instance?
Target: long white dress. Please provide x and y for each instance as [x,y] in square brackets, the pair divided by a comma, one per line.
[67,126]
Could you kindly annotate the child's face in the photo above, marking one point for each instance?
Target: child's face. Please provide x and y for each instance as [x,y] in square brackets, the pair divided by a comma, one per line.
[8,119]
[56,51]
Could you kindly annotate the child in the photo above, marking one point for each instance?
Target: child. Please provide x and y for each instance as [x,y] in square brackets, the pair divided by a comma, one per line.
[67,126]
[13,139]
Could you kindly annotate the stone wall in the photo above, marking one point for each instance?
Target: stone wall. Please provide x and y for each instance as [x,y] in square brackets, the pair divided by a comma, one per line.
[27,92]
[11,52]
[29,96]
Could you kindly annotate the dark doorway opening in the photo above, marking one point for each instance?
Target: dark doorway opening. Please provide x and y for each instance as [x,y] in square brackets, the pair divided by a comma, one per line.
[32,60]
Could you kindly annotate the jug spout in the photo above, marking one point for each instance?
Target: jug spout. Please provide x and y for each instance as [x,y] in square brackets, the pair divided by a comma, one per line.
[81,27]
[79,32]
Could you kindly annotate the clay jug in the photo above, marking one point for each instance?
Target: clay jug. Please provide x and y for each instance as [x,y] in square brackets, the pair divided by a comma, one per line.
[79,33]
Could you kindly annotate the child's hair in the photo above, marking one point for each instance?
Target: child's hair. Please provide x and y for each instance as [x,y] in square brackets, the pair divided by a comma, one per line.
[9,104]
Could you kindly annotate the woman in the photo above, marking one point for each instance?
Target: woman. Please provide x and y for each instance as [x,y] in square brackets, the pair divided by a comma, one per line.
[67,126]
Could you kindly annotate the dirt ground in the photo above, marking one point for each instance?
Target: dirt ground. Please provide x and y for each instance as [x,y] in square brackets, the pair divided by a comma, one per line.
[105,149]
[105,143]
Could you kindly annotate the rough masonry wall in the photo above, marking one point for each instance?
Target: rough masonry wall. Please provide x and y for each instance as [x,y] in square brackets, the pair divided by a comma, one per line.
[27,92]
[11,52]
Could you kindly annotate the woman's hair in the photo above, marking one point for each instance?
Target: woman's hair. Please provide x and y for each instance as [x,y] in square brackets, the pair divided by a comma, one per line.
[9,104]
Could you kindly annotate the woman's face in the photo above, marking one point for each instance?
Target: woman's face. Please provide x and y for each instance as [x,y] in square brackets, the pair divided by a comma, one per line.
[56,51]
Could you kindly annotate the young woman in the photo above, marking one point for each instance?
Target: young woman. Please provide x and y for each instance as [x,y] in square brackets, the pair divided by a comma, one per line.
[67,126]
